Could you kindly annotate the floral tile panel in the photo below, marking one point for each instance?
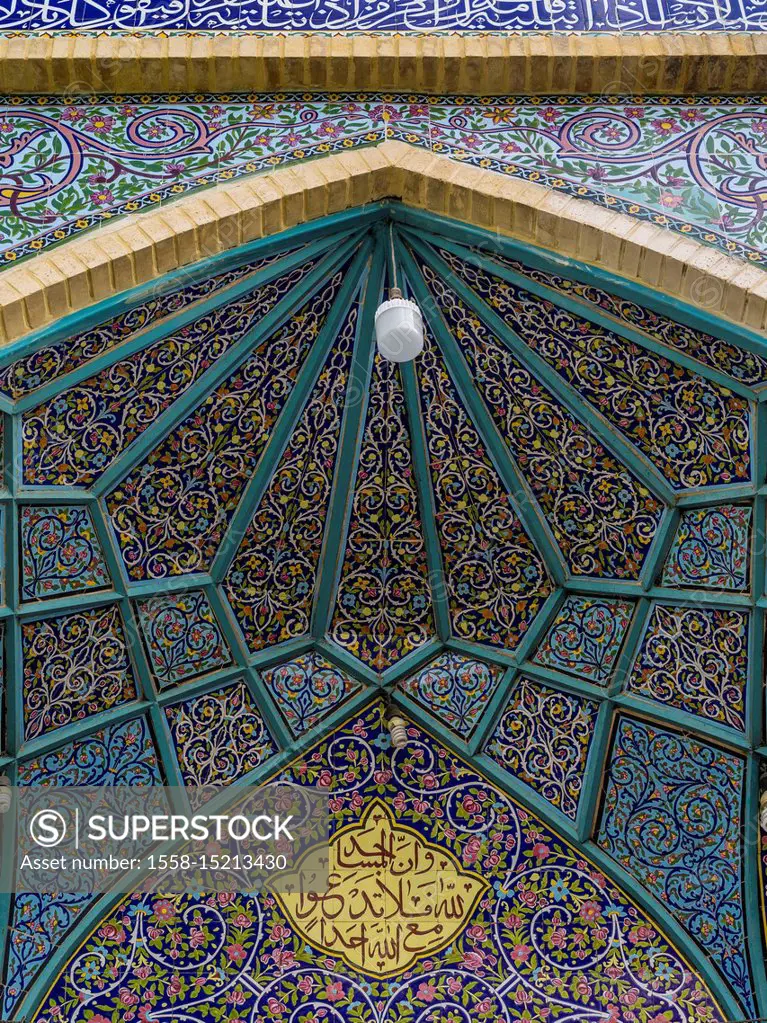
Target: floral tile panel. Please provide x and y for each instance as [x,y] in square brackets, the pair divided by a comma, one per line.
[307,689]
[274,960]
[672,816]
[60,552]
[543,739]
[689,164]
[455,688]
[586,637]
[711,549]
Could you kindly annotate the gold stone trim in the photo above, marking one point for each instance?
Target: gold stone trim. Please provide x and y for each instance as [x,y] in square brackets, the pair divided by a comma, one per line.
[135,249]
[529,63]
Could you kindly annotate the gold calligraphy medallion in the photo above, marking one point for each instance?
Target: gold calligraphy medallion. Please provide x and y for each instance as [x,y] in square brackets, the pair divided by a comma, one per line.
[392,898]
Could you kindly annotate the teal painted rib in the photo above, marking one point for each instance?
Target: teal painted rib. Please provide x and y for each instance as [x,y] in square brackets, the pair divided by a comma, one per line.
[652,569]
[538,627]
[630,648]
[141,447]
[563,682]
[719,598]
[521,497]
[278,653]
[590,587]
[552,262]
[290,416]
[344,660]
[419,451]
[716,495]
[49,741]
[169,765]
[168,584]
[663,715]
[492,713]
[593,775]
[268,710]
[175,322]
[36,610]
[352,430]
[7,869]
[495,654]
[189,688]
[585,310]
[571,399]
[86,319]
[752,899]
[412,662]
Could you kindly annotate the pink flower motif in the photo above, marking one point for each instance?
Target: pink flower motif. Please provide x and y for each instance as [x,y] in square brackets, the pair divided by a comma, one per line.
[634,111]
[334,992]
[541,851]
[72,114]
[283,958]
[670,201]
[520,953]
[305,985]
[102,198]
[164,909]
[236,952]
[665,125]
[100,124]
[330,130]
[426,992]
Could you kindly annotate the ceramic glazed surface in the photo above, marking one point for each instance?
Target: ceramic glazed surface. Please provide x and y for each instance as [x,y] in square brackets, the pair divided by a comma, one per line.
[264,960]
[693,165]
[391,16]
[232,532]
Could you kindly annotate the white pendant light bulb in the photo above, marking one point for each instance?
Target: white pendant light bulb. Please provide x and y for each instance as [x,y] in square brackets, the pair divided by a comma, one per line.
[399,328]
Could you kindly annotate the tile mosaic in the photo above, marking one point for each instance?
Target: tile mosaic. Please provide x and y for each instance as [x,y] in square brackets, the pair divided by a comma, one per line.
[496,579]
[586,637]
[75,665]
[383,605]
[543,738]
[171,512]
[455,689]
[218,736]
[119,755]
[711,549]
[696,432]
[272,581]
[695,658]
[73,438]
[520,874]
[672,817]
[60,552]
[307,689]
[182,636]
[690,164]
[603,518]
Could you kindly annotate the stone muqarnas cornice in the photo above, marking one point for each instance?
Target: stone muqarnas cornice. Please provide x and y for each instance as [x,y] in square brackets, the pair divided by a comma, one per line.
[137,249]
[531,64]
